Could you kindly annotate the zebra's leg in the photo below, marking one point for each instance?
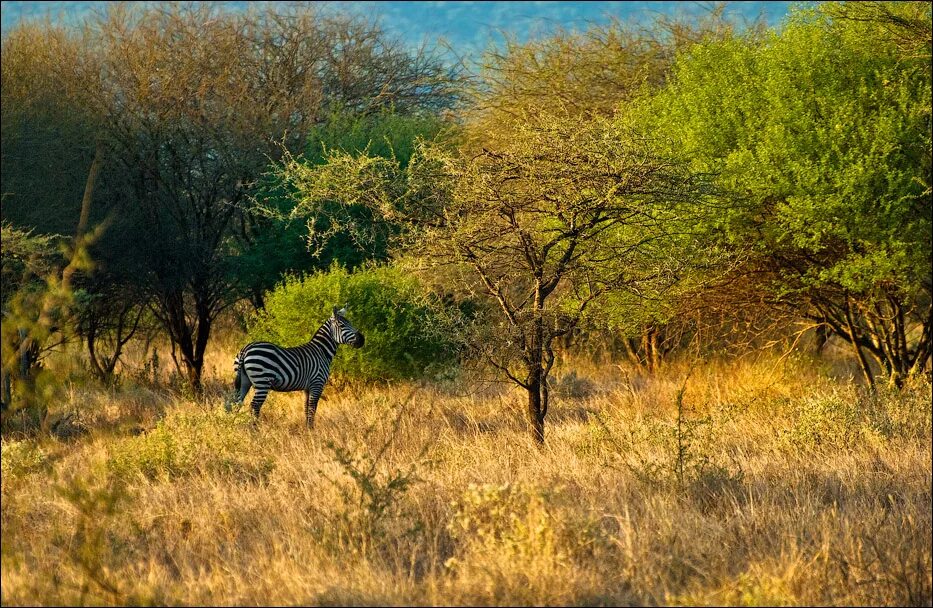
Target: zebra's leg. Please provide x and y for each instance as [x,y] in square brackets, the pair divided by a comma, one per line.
[241,386]
[311,398]
[259,397]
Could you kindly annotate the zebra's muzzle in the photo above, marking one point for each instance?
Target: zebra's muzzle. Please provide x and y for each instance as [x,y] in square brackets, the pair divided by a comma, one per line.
[358,342]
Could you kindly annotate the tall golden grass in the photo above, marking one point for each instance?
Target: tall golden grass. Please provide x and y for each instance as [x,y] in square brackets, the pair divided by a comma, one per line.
[750,482]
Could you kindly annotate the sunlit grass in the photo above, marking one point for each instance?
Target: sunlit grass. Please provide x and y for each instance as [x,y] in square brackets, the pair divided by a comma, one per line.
[752,483]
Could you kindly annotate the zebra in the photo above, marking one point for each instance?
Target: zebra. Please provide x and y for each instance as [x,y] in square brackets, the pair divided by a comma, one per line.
[266,366]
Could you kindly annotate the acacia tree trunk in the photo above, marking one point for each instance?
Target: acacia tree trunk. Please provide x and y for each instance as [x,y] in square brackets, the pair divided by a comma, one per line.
[193,353]
[880,331]
[853,338]
[924,352]
[190,338]
[822,333]
[536,379]
[537,402]
[645,351]
[650,343]
[104,364]
[5,389]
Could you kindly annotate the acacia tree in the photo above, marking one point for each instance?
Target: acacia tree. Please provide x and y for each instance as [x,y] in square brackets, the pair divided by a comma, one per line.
[541,227]
[906,25]
[595,74]
[51,166]
[588,73]
[821,134]
[195,102]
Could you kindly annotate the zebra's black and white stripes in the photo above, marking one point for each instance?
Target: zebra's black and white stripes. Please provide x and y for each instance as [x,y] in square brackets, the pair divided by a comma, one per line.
[268,367]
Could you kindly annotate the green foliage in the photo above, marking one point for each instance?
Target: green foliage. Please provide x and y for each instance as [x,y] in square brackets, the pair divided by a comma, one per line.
[226,92]
[333,234]
[25,260]
[211,443]
[558,215]
[405,329]
[387,134]
[825,138]
[38,308]
[820,137]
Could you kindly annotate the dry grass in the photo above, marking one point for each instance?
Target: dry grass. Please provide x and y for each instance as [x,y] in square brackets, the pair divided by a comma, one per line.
[762,484]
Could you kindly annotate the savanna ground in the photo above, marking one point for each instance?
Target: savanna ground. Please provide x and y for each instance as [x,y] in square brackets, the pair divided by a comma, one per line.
[753,481]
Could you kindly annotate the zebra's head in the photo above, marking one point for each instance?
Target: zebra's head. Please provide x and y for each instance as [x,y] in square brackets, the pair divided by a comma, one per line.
[343,330]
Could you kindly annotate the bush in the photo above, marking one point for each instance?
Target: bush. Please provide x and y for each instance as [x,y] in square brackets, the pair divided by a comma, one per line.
[19,458]
[507,545]
[183,444]
[405,327]
[843,419]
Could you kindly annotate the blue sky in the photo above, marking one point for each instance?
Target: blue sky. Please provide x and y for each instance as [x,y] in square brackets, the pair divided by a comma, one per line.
[467,26]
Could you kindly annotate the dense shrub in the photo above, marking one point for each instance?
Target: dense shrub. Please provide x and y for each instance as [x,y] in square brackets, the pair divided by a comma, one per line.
[406,328]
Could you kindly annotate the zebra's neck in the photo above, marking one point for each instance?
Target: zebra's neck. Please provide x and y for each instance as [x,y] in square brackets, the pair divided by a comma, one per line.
[324,337]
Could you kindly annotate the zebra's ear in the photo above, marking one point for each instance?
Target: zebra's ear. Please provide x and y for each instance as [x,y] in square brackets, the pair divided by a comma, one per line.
[335,311]
[342,312]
